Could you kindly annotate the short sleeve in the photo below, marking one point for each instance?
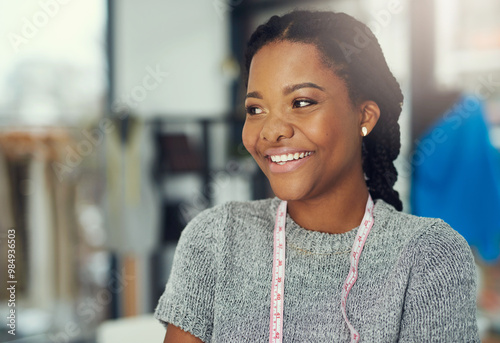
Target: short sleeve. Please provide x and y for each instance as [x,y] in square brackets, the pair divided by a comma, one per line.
[440,302]
[189,294]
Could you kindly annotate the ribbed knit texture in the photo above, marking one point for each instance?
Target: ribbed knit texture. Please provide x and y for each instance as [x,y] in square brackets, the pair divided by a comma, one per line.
[416,283]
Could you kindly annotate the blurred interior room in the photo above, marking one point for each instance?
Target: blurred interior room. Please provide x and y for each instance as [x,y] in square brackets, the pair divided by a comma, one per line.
[121,120]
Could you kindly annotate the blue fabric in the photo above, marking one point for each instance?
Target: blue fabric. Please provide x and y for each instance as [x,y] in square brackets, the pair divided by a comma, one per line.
[456,176]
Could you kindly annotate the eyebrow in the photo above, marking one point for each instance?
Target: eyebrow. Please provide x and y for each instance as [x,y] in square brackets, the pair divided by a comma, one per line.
[288,89]
[293,88]
[256,95]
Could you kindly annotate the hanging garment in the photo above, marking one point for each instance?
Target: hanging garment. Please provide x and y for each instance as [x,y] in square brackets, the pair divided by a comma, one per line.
[132,205]
[457,176]
[132,209]
[39,207]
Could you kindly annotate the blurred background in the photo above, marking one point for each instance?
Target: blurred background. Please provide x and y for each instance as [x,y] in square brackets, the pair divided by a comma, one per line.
[121,120]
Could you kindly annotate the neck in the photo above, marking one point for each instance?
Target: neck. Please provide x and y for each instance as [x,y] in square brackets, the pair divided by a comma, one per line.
[338,212]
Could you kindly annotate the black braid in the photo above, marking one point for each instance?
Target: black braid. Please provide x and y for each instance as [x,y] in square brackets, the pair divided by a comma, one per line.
[353,52]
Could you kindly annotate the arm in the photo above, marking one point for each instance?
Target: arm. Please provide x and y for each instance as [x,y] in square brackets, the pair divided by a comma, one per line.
[174,335]
[187,304]
[440,301]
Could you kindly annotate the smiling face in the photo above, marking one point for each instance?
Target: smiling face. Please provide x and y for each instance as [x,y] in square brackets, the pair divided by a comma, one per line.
[301,126]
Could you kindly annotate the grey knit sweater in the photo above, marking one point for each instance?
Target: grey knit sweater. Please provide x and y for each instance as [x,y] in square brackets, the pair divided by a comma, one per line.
[416,283]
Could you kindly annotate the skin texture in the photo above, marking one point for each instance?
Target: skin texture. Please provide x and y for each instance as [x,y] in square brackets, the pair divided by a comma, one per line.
[176,335]
[327,192]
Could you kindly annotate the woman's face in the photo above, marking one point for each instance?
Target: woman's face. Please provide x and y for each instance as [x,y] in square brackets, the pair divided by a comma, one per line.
[301,126]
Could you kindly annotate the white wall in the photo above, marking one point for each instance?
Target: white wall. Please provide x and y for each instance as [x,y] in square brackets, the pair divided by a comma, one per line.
[188,40]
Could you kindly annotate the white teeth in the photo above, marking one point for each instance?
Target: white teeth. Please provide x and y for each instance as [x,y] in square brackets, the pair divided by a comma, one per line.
[282,159]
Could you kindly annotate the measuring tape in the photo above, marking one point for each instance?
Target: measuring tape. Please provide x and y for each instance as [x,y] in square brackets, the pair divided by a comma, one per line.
[277,291]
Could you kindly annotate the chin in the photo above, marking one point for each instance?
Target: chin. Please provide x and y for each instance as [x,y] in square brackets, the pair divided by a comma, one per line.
[288,193]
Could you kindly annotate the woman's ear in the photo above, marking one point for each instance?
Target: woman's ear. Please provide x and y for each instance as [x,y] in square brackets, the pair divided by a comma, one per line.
[369,115]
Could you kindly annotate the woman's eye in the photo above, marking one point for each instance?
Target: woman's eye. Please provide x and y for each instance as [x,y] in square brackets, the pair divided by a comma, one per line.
[252,110]
[303,103]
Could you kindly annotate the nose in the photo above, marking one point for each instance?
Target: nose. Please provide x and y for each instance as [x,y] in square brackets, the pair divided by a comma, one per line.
[276,128]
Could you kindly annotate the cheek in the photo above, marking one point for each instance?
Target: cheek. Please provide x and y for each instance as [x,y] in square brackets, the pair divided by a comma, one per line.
[323,132]
[249,136]
[329,135]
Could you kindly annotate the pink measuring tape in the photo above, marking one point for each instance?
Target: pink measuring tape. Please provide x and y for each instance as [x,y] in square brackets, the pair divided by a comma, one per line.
[277,292]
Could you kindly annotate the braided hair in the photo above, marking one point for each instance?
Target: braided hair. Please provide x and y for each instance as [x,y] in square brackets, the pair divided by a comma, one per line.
[351,50]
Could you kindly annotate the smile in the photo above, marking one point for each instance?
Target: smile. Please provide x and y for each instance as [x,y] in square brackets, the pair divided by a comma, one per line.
[283,159]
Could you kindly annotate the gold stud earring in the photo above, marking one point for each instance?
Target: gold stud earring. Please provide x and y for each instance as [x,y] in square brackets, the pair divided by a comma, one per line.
[364,131]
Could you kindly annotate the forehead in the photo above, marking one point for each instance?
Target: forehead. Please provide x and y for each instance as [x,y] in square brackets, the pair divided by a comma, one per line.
[286,63]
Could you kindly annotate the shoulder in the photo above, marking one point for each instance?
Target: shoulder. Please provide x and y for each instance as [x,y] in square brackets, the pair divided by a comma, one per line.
[225,216]
[425,240]
[414,228]
[437,270]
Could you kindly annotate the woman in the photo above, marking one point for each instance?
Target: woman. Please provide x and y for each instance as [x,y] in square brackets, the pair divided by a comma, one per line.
[322,110]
